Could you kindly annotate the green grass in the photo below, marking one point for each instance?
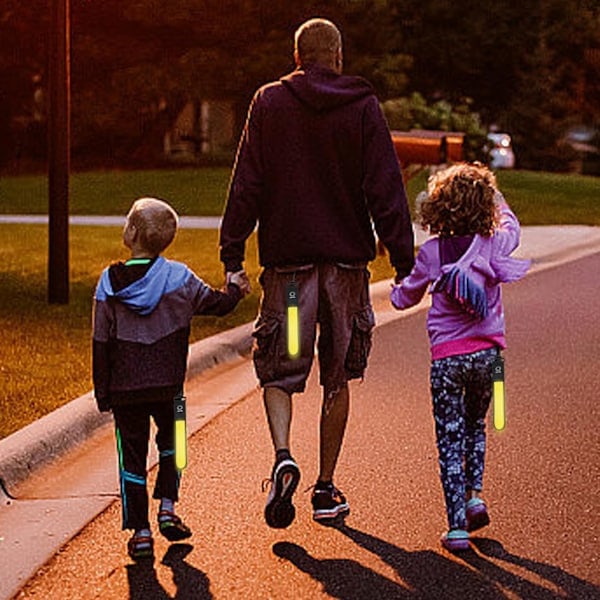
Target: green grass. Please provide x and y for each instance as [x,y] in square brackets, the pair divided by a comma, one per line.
[190,191]
[538,198]
[45,355]
[45,350]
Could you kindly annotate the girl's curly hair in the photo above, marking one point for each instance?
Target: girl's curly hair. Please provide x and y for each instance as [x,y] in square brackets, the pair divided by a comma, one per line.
[460,201]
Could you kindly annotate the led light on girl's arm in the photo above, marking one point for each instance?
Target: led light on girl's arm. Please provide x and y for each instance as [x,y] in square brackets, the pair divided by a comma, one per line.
[499,409]
[180,433]
[293,320]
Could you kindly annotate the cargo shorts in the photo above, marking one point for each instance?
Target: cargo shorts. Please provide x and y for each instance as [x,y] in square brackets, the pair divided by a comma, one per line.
[333,300]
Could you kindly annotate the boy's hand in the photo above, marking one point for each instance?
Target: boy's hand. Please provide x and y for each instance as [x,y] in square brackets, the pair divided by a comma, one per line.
[239,278]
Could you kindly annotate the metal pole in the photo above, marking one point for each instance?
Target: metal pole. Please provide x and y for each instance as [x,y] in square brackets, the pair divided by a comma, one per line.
[58,153]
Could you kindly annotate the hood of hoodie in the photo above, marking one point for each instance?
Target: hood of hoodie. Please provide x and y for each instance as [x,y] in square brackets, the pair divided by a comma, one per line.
[322,89]
[143,295]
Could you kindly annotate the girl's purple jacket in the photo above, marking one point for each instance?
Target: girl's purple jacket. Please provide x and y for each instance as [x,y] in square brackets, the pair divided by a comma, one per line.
[452,328]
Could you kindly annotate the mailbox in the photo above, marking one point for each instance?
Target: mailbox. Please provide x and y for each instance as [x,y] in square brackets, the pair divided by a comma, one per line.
[427,147]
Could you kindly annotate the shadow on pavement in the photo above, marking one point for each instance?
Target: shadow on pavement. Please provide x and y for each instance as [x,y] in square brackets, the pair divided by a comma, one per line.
[342,578]
[568,585]
[190,582]
[432,575]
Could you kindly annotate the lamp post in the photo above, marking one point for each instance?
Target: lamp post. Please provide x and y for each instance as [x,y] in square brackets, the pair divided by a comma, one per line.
[58,153]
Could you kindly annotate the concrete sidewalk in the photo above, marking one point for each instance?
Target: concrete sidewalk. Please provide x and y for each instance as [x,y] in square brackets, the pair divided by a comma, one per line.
[63,467]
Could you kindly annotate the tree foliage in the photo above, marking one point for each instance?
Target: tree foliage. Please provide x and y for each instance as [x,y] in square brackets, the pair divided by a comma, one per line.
[135,63]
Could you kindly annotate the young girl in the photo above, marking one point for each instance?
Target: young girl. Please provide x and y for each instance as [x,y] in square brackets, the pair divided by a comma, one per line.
[465,264]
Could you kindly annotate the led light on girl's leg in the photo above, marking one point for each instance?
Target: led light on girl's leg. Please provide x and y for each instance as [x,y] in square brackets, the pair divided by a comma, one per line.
[499,410]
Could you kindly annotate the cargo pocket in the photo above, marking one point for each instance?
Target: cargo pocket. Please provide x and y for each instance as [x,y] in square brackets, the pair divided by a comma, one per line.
[360,342]
[267,332]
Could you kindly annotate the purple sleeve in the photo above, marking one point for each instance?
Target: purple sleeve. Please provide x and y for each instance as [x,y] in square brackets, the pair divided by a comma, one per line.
[245,189]
[413,287]
[384,191]
[508,232]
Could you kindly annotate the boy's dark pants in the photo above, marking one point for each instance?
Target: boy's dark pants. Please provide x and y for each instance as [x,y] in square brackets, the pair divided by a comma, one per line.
[132,424]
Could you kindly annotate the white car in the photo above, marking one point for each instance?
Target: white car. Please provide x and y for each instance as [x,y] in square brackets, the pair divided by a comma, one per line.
[500,151]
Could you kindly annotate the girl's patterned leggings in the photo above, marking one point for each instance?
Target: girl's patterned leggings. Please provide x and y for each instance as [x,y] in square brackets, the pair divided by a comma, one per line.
[461,389]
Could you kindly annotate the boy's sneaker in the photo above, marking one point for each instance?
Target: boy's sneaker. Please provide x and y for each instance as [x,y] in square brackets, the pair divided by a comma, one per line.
[172,527]
[140,546]
[279,511]
[328,504]
[477,515]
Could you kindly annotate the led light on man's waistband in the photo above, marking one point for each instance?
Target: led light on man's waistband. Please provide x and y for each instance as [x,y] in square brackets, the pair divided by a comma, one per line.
[180,433]
[499,409]
[293,320]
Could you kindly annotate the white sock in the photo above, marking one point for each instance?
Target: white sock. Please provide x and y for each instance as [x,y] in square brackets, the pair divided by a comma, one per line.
[167,504]
[143,533]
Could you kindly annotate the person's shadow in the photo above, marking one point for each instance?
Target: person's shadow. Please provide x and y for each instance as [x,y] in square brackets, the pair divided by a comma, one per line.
[342,578]
[432,575]
[569,586]
[191,583]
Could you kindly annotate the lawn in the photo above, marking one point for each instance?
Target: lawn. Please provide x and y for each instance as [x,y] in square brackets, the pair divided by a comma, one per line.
[538,198]
[45,350]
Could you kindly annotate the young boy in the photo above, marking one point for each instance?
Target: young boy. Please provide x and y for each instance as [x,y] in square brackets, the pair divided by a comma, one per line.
[142,313]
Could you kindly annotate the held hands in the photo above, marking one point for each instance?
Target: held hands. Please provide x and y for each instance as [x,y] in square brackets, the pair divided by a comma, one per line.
[239,278]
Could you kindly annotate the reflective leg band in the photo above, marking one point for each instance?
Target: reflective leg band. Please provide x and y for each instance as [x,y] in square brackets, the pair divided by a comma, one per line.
[180,433]
[293,320]
[498,394]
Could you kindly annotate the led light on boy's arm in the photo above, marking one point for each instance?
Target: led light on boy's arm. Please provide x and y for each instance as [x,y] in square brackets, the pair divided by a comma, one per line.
[498,394]
[180,433]
[293,320]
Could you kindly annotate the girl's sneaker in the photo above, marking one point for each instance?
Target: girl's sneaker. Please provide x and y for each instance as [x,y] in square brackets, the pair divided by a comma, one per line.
[477,515]
[456,540]
[140,546]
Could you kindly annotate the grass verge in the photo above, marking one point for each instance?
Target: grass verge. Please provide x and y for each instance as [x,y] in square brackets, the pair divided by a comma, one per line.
[45,350]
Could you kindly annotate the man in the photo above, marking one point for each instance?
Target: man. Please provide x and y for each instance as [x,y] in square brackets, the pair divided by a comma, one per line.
[315,162]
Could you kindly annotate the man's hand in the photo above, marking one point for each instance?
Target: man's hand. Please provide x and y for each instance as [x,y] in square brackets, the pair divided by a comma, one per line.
[239,278]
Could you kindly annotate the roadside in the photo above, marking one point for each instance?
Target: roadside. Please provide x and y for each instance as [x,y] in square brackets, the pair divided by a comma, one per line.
[75,443]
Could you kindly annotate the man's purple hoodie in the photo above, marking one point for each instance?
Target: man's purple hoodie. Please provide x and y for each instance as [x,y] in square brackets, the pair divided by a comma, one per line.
[472,317]
[315,163]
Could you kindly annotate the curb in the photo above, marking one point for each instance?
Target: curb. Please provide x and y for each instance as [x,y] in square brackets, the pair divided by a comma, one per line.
[54,434]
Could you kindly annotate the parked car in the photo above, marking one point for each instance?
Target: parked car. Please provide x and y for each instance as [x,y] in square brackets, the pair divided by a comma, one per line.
[500,151]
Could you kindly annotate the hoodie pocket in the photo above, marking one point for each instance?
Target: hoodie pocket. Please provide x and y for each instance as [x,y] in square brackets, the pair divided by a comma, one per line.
[267,333]
[359,348]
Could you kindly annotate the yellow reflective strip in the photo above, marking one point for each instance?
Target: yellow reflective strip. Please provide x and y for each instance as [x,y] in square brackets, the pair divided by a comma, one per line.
[293,331]
[499,406]
[180,444]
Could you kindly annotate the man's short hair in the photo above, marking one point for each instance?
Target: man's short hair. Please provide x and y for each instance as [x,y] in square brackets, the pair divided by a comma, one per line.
[156,223]
[317,41]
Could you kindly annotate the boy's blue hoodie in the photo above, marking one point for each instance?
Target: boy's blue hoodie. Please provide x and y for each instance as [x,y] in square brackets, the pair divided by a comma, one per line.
[142,316]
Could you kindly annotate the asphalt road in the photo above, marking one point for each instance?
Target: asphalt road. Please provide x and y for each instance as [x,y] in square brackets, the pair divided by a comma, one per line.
[542,482]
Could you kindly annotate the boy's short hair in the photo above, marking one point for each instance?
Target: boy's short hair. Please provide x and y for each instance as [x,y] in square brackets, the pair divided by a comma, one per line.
[460,200]
[155,222]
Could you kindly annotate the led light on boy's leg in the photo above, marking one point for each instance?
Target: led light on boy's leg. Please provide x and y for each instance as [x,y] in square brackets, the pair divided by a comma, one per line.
[293,320]
[499,408]
[180,433]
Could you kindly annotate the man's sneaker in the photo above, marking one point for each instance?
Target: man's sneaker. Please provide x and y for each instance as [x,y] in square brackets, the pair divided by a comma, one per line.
[279,511]
[477,514]
[328,504]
